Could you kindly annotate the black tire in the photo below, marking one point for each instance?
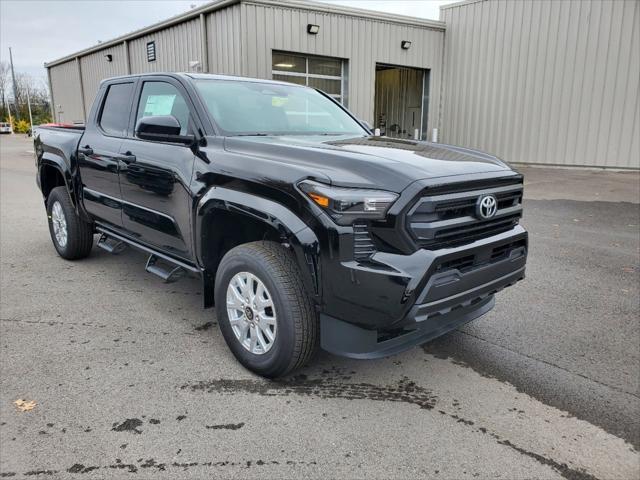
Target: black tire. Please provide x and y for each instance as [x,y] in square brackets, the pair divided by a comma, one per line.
[297,334]
[79,233]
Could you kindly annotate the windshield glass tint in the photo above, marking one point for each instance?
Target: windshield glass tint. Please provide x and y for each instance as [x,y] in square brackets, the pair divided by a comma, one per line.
[250,108]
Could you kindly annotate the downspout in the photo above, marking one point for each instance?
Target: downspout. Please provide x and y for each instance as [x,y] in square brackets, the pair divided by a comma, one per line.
[52,104]
[204,44]
[84,108]
[443,64]
[127,58]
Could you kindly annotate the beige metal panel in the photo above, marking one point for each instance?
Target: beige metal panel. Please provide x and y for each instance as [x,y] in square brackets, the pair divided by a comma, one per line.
[65,84]
[548,82]
[96,68]
[176,46]
[362,41]
[223,34]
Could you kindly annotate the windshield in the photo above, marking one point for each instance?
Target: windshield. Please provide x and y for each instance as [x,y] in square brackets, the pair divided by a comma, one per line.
[253,108]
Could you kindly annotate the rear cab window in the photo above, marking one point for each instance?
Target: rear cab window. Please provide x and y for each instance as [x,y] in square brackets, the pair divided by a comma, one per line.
[114,117]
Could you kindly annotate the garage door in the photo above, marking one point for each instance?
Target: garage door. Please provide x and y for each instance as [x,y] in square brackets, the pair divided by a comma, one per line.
[323,73]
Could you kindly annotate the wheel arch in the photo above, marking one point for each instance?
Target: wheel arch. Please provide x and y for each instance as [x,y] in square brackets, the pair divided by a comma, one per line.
[226,218]
[52,175]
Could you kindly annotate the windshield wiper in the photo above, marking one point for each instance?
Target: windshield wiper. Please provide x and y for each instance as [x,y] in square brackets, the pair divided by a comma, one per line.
[332,134]
[255,134]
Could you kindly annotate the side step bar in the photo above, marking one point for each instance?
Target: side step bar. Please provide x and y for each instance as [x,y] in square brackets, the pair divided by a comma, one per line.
[111,245]
[169,275]
[165,267]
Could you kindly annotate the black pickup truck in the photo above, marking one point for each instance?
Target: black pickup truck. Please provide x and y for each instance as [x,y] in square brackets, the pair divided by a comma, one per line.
[306,229]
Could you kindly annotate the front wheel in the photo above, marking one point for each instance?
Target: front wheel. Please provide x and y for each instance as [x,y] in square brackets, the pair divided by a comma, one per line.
[266,316]
[72,237]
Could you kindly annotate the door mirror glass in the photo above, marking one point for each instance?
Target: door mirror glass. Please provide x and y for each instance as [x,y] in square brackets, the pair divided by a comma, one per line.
[162,128]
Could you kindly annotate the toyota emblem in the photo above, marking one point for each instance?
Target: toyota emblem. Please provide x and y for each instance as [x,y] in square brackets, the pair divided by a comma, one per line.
[486,207]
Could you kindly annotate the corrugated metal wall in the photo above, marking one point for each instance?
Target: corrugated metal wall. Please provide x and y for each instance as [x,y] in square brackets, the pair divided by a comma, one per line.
[96,68]
[176,46]
[225,41]
[65,80]
[241,38]
[362,41]
[549,82]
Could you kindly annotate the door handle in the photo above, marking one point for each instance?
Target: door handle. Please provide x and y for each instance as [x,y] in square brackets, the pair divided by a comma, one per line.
[86,150]
[128,158]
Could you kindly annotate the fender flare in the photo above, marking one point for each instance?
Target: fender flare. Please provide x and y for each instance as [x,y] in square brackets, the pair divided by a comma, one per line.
[292,230]
[60,165]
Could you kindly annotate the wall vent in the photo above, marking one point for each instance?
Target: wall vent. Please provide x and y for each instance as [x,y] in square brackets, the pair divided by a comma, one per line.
[151,51]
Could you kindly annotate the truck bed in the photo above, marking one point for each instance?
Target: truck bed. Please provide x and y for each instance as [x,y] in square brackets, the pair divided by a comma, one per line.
[59,142]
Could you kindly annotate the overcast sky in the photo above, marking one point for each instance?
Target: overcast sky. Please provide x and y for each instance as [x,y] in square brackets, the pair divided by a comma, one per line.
[43,30]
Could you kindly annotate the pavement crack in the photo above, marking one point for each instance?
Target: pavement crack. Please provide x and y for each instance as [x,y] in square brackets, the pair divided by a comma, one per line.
[562,468]
[404,391]
[151,463]
[112,328]
[550,364]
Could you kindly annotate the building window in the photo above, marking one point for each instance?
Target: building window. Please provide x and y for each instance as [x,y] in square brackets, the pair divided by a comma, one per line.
[324,73]
[151,51]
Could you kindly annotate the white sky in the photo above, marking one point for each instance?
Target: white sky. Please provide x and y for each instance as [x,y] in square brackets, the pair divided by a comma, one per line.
[43,30]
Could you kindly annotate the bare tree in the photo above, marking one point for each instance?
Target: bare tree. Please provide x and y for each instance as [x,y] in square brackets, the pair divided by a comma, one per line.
[4,86]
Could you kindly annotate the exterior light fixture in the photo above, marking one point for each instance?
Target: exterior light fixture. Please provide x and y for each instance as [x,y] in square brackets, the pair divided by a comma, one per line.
[406,44]
[313,29]
[109,57]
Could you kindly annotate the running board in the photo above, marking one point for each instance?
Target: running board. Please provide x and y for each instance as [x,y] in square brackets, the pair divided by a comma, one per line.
[169,274]
[111,245]
[154,257]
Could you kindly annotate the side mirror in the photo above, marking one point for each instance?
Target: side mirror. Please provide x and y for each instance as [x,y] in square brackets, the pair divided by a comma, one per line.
[162,128]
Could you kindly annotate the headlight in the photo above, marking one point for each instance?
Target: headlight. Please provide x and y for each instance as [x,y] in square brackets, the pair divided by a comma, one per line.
[345,205]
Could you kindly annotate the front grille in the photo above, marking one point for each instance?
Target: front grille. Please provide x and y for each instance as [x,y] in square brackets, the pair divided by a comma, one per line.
[444,220]
[466,263]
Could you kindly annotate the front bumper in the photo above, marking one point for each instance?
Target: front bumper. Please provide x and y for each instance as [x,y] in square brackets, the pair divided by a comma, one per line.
[408,300]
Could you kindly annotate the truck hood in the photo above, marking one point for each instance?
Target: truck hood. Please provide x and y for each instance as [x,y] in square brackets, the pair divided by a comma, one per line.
[380,162]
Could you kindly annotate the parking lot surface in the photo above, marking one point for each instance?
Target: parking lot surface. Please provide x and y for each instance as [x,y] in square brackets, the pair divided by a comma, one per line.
[131,377]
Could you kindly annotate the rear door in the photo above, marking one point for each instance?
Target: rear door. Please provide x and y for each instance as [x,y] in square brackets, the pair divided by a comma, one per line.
[155,176]
[99,149]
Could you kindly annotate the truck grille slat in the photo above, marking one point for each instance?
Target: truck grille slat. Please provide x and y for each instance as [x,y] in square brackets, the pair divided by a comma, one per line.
[444,219]
[363,246]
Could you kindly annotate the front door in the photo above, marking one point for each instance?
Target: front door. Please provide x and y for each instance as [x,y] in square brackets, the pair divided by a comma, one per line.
[98,153]
[155,176]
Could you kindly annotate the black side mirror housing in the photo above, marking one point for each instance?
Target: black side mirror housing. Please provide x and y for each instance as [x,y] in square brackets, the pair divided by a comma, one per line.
[162,128]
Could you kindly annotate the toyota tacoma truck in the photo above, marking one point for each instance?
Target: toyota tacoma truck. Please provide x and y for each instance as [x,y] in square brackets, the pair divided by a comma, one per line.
[306,230]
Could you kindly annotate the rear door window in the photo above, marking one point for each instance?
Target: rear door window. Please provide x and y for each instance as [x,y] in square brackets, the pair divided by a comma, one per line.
[115,111]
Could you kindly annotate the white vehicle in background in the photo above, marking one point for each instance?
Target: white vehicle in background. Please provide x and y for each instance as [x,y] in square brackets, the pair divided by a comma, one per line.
[5,127]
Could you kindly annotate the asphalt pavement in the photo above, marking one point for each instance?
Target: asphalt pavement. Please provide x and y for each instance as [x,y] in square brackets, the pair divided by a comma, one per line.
[130,377]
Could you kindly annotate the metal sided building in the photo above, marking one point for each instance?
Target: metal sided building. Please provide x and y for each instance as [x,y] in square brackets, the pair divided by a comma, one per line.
[544,82]
[551,82]
[350,54]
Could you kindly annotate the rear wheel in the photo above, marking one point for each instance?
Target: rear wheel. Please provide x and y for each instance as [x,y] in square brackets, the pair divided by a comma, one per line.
[72,237]
[266,316]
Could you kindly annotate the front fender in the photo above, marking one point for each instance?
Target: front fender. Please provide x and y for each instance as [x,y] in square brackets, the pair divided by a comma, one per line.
[292,231]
